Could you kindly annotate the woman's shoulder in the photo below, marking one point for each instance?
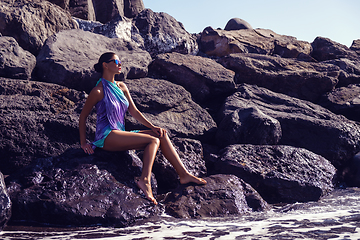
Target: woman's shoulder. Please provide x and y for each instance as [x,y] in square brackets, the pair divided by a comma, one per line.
[97,92]
[122,86]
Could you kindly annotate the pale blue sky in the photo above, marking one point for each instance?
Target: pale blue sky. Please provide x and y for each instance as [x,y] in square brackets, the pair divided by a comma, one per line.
[338,20]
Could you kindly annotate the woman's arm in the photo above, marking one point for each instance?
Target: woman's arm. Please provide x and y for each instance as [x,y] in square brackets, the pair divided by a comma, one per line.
[95,96]
[134,111]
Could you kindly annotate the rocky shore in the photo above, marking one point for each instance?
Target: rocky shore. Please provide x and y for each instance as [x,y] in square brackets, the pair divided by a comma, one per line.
[264,118]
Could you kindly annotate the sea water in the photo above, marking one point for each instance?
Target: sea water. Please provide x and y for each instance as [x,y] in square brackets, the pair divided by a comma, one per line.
[336,216]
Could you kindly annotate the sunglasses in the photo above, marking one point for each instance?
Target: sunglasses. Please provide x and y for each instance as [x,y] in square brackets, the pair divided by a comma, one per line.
[117,62]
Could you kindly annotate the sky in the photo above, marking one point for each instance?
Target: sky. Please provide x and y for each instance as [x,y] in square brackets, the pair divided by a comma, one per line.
[338,20]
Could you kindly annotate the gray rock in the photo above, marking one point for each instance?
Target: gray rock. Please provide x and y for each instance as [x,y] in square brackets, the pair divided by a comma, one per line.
[303,124]
[133,7]
[355,46]
[344,100]
[326,49]
[5,203]
[279,173]
[223,195]
[170,106]
[14,61]
[237,24]
[24,20]
[304,80]
[68,58]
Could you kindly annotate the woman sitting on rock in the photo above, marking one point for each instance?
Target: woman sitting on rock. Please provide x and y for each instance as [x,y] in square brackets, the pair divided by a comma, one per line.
[112,99]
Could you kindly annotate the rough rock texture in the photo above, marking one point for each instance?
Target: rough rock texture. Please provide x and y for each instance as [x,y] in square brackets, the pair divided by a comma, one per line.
[191,154]
[77,189]
[107,10]
[237,24]
[248,125]
[170,106]
[326,49]
[5,203]
[68,58]
[350,71]
[32,22]
[83,9]
[133,7]
[205,79]
[303,124]
[344,100]
[37,120]
[355,46]
[223,195]
[221,43]
[161,33]
[305,80]
[279,173]
[14,61]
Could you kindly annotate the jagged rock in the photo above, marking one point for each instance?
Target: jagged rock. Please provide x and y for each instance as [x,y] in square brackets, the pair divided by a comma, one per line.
[133,7]
[161,33]
[223,195]
[106,10]
[350,71]
[355,46]
[344,100]
[237,24]
[191,154]
[303,124]
[68,57]
[14,61]
[5,203]
[83,9]
[305,80]
[248,125]
[326,49]
[32,22]
[205,79]
[279,173]
[37,120]
[262,41]
[170,106]
[75,189]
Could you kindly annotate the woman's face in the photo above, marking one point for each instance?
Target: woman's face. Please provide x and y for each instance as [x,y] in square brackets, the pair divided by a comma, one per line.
[113,65]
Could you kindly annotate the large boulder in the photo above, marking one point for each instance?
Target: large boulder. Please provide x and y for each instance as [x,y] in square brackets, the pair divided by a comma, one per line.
[204,78]
[355,46]
[279,173]
[326,49]
[262,41]
[305,80]
[106,10]
[237,24]
[14,61]
[170,106]
[32,22]
[161,33]
[83,9]
[75,189]
[303,124]
[68,58]
[37,120]
[5,203]
[350,71]
[344,100]
[133,7]
[222,196]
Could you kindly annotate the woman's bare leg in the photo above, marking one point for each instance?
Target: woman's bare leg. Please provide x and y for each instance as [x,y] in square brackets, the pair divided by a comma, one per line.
[172,156]
[122,140]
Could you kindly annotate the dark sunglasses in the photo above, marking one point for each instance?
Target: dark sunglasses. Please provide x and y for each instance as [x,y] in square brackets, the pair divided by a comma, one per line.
[117,62]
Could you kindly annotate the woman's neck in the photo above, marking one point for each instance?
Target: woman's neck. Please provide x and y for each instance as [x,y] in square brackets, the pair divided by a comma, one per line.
[108,77]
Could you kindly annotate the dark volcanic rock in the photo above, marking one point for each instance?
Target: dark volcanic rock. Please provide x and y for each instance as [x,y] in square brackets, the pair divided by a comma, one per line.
[68,58]
[326,49]
[32,22]
[106,10]
[303,123]
[279,173]
[305,80]
[83,9]
[223,195]
[161,33]
[262,41]
[344,100]
[80,190]
[350,71]
[37,120]
[205,79]
[355,46]
[170,106]
[237,24]
[5,203]
[133,7]
[14,61]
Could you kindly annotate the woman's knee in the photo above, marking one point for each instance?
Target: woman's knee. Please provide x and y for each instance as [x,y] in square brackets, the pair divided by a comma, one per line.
[155,140]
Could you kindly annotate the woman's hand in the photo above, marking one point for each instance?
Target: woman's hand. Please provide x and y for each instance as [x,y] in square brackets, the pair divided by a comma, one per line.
[87,148]
[159,131]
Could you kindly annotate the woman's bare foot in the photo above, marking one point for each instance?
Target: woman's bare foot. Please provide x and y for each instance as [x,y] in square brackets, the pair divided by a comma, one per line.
[146,188]
[189,178]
